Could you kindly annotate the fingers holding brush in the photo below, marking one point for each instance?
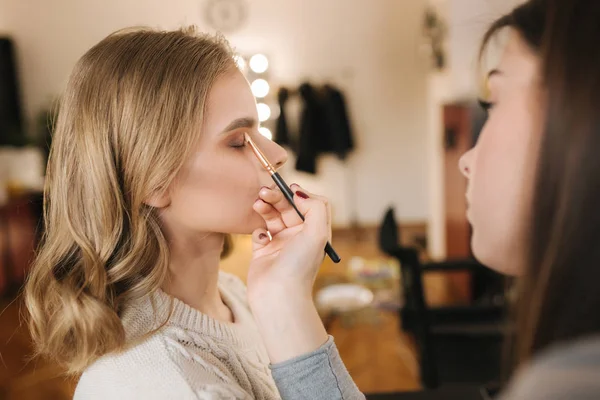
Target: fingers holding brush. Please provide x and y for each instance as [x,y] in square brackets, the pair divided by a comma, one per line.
[260,238]
[319,206]
[287,213]
[271,216]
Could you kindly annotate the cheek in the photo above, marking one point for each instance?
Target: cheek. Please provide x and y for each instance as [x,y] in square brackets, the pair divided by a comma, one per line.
[218,197]
[501,193]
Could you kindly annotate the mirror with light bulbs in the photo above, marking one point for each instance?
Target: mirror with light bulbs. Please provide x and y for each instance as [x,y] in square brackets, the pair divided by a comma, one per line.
[256,70]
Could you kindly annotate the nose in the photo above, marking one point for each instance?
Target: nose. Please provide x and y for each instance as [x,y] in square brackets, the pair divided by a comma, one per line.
[465,163]
[275,153]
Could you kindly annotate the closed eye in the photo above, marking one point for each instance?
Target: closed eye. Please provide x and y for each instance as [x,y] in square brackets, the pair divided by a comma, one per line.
[237,141]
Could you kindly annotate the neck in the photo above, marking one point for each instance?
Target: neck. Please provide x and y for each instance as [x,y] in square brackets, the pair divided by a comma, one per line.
[194,272]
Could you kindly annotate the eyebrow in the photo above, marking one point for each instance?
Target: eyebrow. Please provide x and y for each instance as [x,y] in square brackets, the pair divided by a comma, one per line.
[494,72]
[246,122]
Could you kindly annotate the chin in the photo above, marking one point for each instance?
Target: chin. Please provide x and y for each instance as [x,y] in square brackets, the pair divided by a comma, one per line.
[483,253]
[249,225]
[493,257]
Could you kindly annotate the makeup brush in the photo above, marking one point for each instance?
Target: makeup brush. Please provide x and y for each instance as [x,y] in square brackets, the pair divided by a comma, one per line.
[285,189]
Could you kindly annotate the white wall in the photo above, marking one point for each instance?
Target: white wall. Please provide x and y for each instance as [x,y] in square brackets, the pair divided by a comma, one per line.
[368,48]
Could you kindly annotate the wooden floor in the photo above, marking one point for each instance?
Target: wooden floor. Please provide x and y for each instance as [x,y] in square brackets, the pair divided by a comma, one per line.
[378,355]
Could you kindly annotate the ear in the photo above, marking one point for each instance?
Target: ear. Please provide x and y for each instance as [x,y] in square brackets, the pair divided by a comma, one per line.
[159,199]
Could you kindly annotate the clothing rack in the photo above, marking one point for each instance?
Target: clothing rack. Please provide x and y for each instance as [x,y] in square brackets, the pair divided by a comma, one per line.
[324,127]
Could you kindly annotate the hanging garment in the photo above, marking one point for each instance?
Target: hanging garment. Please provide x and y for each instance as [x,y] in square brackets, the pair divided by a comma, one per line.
[324,125]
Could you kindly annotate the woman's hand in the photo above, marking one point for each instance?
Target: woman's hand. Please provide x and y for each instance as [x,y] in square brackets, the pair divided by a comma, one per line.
[283,270]
[291,259]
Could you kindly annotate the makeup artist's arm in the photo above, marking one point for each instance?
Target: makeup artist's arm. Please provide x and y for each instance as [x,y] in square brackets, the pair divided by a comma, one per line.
[305,361]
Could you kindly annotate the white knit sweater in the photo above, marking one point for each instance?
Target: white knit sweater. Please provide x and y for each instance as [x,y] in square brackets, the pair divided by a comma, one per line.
[192,357]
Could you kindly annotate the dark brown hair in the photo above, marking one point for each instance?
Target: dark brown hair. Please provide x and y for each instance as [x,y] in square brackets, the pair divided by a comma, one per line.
[559,297]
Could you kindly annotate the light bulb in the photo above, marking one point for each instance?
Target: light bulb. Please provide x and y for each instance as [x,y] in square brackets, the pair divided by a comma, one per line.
[275,111]
[241,63]
[260,88]
[259,63]
[264,112]
[266,132]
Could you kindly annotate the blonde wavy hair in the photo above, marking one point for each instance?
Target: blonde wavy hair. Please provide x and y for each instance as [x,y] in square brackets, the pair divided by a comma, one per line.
[130,115]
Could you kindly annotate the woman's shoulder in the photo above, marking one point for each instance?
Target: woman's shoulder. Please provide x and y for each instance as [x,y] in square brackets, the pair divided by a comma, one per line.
[568,370]
[152,369]
[144,370]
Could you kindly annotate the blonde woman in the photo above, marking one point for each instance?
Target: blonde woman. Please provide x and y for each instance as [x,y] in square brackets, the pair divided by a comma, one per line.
[147,175]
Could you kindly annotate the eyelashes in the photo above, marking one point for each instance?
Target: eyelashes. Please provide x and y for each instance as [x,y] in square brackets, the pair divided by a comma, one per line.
[486,105]
[237,141]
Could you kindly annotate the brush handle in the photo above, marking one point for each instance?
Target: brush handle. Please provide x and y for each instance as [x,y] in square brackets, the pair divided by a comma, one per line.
[289,195]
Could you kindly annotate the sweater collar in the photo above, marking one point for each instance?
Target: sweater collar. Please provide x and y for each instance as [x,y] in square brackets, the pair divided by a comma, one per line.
[151,312]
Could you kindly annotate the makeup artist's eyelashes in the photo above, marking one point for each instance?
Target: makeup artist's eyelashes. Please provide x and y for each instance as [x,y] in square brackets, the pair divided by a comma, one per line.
[486,105]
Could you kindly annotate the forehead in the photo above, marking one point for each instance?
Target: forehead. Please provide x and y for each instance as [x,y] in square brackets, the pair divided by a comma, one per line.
[229,98]
[518,63]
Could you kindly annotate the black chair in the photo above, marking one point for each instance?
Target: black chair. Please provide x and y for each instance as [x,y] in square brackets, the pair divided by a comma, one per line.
[456,344]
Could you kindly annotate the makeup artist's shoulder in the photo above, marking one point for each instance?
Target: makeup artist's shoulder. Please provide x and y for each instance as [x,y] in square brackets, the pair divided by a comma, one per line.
[143,371]
[566,371]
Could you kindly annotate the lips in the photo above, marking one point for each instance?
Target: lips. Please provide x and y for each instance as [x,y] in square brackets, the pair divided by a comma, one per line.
[468,211]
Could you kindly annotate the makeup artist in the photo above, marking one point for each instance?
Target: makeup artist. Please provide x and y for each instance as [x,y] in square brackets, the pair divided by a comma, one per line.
[534,190]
